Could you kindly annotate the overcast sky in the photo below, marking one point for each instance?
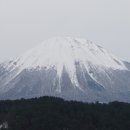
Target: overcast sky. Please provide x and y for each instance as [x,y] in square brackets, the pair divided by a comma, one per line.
[26,23]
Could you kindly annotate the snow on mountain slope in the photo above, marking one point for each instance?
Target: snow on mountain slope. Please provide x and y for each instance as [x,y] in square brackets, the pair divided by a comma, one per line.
[127,64]
[72,67]
[65,52]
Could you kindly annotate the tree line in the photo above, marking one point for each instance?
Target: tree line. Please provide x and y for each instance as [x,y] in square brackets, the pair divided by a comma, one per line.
[51,113]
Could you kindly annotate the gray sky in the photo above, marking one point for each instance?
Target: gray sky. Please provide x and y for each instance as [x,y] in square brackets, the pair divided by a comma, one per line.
[25,23]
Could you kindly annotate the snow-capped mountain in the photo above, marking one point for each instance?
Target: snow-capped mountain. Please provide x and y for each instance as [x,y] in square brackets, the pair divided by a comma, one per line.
[71,68]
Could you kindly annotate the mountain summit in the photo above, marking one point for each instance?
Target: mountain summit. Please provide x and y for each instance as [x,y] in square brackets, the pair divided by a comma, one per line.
[71,68]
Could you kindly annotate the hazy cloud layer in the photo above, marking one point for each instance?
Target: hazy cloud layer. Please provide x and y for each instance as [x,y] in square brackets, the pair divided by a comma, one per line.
[25,23]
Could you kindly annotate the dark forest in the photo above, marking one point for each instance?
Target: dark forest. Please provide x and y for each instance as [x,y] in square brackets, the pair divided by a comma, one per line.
[49,113]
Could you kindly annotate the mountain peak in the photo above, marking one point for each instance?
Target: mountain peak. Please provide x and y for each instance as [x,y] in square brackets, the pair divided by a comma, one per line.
[73,68]
[66,50]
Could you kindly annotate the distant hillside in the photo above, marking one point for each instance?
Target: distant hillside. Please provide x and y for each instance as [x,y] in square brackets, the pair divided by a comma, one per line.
[49,113]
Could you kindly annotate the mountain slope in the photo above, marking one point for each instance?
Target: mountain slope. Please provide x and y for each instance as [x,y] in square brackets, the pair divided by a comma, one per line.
[127,64]
[75,69]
